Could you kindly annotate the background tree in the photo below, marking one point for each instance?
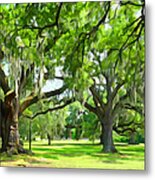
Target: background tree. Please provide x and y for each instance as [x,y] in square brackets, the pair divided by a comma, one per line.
[108,57]
[46,123]
[74,121]
[91,126]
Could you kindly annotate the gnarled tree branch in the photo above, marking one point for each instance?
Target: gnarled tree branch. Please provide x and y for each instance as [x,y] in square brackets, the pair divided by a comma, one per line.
[33,99]
[97,99]
[89,107]
[55,23]
[130,3]
[119,85]
[51,109]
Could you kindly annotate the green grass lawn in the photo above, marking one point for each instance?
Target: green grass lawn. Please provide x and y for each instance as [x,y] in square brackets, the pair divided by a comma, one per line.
[78,154]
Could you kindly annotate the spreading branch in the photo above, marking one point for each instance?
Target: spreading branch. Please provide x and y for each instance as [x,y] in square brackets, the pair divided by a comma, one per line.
[90,108]
[31,99]
[119,104]
[55,23]
[121,125]
[121,128]
[51,109]
[137,37]
[102,20]
[96,97]
[114,93]
[130,3]
[84,35]
[123,47]
[135,108]
[59,77]
[122,131]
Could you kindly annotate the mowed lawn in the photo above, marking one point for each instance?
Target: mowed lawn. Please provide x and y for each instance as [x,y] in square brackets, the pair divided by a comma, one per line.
[78,154]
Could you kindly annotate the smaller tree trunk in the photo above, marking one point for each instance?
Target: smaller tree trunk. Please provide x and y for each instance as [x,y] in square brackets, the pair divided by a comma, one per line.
[30,135]
[78,132]
[49,139]
[132,139]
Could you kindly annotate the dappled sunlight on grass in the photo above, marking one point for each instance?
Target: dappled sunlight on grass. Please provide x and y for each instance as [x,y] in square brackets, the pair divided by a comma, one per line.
[78,154]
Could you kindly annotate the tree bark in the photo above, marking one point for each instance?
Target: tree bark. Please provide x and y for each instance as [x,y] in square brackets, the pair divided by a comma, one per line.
[30,135]
[102,134]
[108,144]
[49,139]
[132,139]
[78,132]
[107,131]
[10,134]
[9,126]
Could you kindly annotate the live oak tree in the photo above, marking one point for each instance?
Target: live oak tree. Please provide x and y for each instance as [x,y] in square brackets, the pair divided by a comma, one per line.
[74,121]
[118,60]
[22,69]
[50,126]
[94,49]
[108,57]
[91,126]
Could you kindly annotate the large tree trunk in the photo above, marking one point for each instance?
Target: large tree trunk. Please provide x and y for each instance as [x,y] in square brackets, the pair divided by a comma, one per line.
[106,137]
[10,134]
[108,144]
[5,126]
[9,126]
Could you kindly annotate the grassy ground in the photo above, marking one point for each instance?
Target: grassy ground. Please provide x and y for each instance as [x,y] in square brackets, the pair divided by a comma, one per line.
[78,154]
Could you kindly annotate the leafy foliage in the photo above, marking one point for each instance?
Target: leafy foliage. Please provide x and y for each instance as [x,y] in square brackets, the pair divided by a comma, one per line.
[92,51]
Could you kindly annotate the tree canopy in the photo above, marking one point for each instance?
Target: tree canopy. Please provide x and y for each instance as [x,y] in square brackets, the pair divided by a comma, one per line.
[91,52]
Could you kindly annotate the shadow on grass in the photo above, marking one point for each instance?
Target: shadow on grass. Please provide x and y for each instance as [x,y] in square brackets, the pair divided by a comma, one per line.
[76,151]
[66,144]
[67,150]
[73,150]
[61,153]
[136,150]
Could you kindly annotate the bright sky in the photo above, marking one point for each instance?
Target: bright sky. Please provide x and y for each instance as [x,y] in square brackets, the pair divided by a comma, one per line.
[53,84]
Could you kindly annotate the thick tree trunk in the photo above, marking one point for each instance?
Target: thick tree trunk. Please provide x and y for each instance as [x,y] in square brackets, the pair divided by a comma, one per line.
[9,127]
[108,144]
[5,134]
[107,131]
[10,136]
[106,137]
